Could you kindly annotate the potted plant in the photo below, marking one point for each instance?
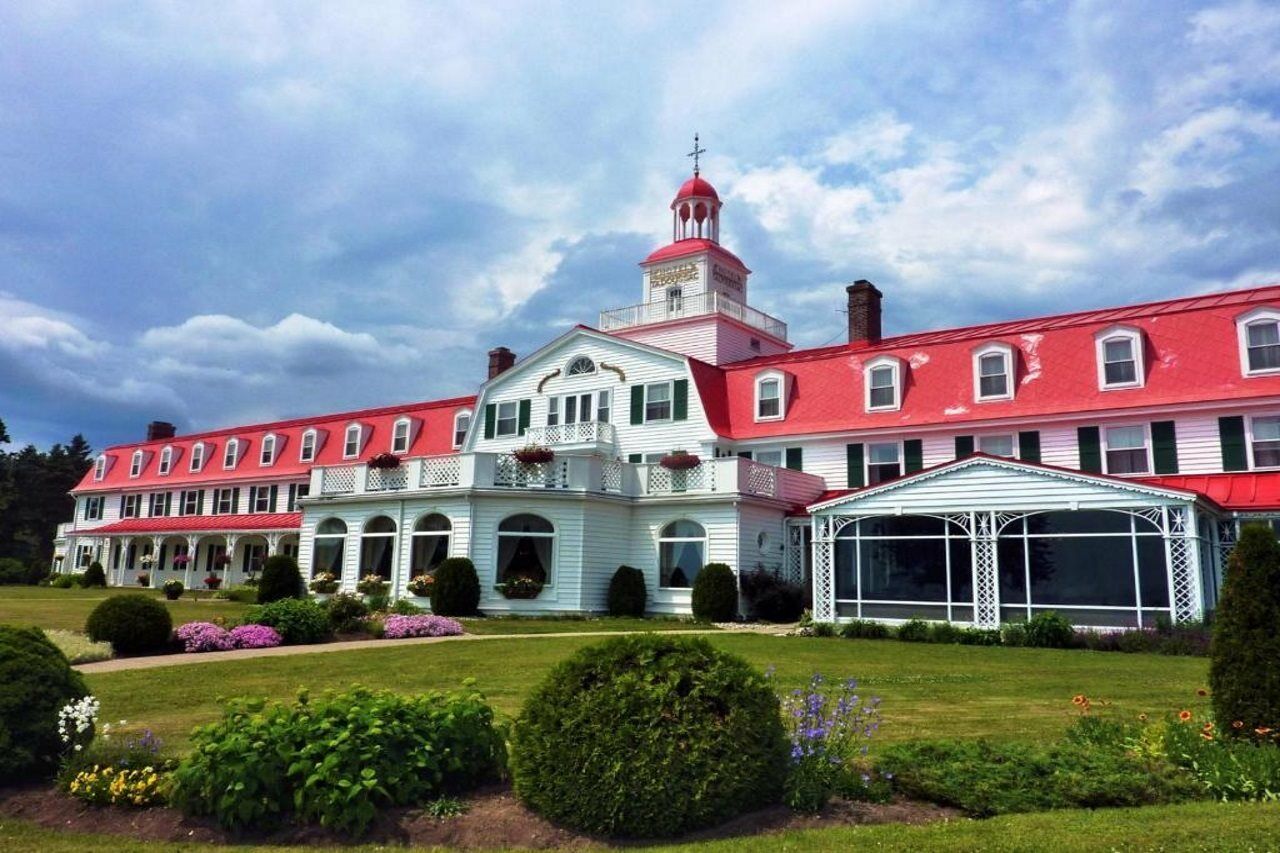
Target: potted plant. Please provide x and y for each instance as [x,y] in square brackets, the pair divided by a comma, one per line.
[144,579]
[173,589]
[324,583]
[371,585]
[680,460]
[533,454]
[212,581]
[521,588]
[384,461]
[420,585]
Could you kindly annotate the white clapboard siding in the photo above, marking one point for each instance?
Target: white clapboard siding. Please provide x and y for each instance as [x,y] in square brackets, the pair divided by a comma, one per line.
[756,552]
[457,510]
[720,520]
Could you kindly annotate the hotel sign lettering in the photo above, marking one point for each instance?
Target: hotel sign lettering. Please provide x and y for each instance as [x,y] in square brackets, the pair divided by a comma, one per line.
[727,277]
[673,275]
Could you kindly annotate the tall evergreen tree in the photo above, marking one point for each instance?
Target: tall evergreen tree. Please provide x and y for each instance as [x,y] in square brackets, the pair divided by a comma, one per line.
[33,495]
[1243,675]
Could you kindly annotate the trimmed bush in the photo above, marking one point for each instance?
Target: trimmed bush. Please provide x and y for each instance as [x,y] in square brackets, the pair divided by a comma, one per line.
[240,595]
[771,598]
[647,736]
[133,624]
[297,621]
[456,591]
[1048,630]
[94,575]
[346,612]
[864,629]
[627,594]
[715,594]
[173,589]
[280,579]
[35,683]
[1246,643]
[67,581]
[914,631]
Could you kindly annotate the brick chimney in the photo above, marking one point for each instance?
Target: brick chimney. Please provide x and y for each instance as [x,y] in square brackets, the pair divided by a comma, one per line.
[157,430]
[500,361]
[864,312]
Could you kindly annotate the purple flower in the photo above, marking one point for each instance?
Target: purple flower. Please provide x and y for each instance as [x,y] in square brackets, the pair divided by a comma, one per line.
[400,627]
[204,637]
[255,637]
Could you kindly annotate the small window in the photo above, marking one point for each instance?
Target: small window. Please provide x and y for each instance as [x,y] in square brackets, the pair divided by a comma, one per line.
[1262,340]
[996,445]
[508,419]
[682,552]
[93,508]
[883,388]
[657,402]
[197,456]
[768,457]
[769,398]
[603,399]
[135,465]
[580,366]
[160,503]
[268,455]
[1266,442]
[526,548]
[224,501]
[166,461]
[260,500]
[307,452]
[884,462]
[131,506]
[297,491]
[99,467]
[1127,450]
[461,425]
[1120,358]
[400,436]
[190,503]
[232,454]
[993,373]
[351,446]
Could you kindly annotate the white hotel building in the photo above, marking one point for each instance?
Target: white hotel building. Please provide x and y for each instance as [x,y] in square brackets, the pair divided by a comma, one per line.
[1097,464]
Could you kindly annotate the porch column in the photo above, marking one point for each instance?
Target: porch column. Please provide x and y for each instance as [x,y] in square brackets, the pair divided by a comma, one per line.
[125,544]
[824,579]
[232,539]
[72,557]
[1182,556]
[193,556]
[273,543]
[984,528]
[156,542]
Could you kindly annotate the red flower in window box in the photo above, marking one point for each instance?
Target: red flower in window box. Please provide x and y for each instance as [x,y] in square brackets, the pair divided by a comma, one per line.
[521,588]
[533,455]
[384,461]
[680,461]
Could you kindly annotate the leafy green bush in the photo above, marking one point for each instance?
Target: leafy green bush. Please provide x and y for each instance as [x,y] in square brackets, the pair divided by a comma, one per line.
[914,631]
[94,575]
[280,579]
[68,581]
[346,612]
[715,594]
[298,621]
[404,607]
[1226,768]
[864,629]
[133,624]
[35,683]
[943,632]
[985,778]
[772,599]
[1048,630]
[13,572]
[456,591]
[627,594]
[336,760]
[173,589]
[649,735]
[978,636]
[1246,643]
[1013,634]
[239,594]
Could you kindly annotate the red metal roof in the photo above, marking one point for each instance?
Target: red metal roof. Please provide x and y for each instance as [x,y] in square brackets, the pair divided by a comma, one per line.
[692,246]
[197,523]
[696,187]
[1245,491]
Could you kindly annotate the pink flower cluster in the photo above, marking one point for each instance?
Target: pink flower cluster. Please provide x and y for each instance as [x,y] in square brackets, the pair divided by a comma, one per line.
[208,637]
[399,627]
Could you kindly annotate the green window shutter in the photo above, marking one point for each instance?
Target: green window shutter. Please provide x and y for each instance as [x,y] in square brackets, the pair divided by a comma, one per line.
[522,425]
[200,502]
[235,500]
[1164,447]
[680,400]
[1029,445]
[745,454]
[637,405]
[795,458]
[635,458]
[253,497]
[1231,433]
[912,455]
[854,472]
[490,420]
[1089,440]
[964,446]
[275,490]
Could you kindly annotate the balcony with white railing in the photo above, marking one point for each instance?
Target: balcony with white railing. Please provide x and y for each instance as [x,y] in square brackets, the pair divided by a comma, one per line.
[696,305]
[590,436]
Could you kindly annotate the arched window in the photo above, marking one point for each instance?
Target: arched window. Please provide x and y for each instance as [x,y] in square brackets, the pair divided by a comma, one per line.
[461,424]
[882,378]
[682,552]
[307,450]
[1120,361]
[232,454]
[166,461]
[400,436]
[771,394]
[268,454]
[993,372]
[580,366]
[526,548]
[328,546]
[1259,335]
[352,441]
[430,543]
[100,468]
[135,466]
[377,547]
[197,457]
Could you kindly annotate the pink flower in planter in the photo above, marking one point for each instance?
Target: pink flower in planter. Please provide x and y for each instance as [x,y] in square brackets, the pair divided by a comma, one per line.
[204,637]
[255,637]
[400,627]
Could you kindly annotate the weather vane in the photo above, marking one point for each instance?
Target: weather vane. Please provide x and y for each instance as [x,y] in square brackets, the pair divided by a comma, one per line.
[695,153]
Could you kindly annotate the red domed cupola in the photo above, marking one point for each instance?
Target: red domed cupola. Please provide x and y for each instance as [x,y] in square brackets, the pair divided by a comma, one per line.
[695,212]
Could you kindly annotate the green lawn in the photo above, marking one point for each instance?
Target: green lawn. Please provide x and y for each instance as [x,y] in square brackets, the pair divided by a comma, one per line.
[490,625]
[68,608]
[927,690]
[1196,826]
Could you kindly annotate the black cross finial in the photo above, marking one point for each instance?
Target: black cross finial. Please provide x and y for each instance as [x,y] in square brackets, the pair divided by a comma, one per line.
[695,153]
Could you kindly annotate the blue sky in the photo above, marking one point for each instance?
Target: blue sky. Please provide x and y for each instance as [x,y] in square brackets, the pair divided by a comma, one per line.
[214,213]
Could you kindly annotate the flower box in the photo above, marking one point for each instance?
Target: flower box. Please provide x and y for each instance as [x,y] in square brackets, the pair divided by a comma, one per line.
[372,585]
[385,461]
[680,461]
[325,583]
[420,585]
[521,588]
[533,455]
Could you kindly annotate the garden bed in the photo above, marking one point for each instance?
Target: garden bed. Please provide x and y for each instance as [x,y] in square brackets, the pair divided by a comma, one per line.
[494,818]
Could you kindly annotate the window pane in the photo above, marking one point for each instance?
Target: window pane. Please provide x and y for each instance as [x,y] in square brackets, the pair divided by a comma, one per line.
[904,569]
[1120,372]
[380,524]
[1118,349]
[993,386]
[683,529]
[327,555]
[1127,462]
[526,523]
[1266,429]
[899,526]
[680,563]
[433,522]
[881,473]
[1013,578]
[1152,574]
[524,557]
[428,552]
[769,457]
[991,364]
[846,581]
[881,397]
[768,389]
[1266,454]
[1126,437]
[1082,570]
[330,526]
[961,572]
[769,408]
[880,454]
[375,555]
[1263,334]
[882,377]
[1080,521]
[996,445]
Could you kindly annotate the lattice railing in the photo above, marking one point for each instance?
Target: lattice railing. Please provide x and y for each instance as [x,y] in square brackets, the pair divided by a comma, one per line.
[665,481]
[511,472]
[611,475]
[387,479]
[439,472]
[583,432]
[1184,569]
[761,480]
[338,481]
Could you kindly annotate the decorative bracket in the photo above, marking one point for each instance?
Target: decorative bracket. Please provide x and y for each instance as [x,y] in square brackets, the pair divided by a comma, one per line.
[552,375]
[617,370]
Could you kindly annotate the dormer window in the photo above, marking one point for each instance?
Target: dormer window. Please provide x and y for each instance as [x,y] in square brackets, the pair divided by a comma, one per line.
[197,457]
[231,455]
[166,461]
[1259,332]
[993,372]
[1119,351]
[883,380]
[400,436]
[135,465]
[771,394]
[351,442]
[307,452]
[268,454]
[580,366]
[99,467]
[461,424]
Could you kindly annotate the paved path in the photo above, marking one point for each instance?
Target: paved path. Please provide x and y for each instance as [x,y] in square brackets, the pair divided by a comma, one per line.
[156,661]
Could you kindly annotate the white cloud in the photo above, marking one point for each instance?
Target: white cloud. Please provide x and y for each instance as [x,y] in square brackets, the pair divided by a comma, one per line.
[879,138]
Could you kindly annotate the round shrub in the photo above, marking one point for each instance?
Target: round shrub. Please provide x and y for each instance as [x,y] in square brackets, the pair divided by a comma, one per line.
[280,579]
[627,594]
[173,589]
[35,683]
[1245,645]
[914,631]
[1048,630]
[346,610]
[456,591]
[94,575]
[783,602]
[297,621]
[133,624]
[864,629]
[715,594]
[649,735]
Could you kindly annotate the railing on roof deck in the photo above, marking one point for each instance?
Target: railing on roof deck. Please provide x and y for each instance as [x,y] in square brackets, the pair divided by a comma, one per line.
[696,305]
[582,432]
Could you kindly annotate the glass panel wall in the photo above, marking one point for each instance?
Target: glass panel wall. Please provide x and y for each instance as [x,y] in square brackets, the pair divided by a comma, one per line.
[896,567]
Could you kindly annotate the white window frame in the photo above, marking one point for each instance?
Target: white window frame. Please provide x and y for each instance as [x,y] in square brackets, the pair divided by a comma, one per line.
[197,500]
[1243,322]
[231,454]
[230,494]
[396,427]
[100,467]
[1249,440]
[703,540]
[197,457]
[135,465]
[514,418]
[670,401]
[884,361]
[267,456]
[261,496]
[1006,352]
[465,413]
[93,506]
[1146,446]
[165,465]
[1135,338]
[780,378]
[1013,443]
[131,506]
[553,571]
[297,491]
[569,364]
[867,463]
[307,446]
[346,441]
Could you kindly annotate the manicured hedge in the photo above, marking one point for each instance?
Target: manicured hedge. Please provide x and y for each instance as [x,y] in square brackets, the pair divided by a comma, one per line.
[94,575]
[133,624]
[456,591]
[298,621]
[1246,641]
[715,594]
[280,579]
[627,594]
[35,683]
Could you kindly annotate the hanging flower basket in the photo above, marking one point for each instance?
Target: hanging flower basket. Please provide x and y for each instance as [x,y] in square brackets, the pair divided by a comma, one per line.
[680,461]
[181,560]
[325,583]
[533,455]
[385,461]
[521,588]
